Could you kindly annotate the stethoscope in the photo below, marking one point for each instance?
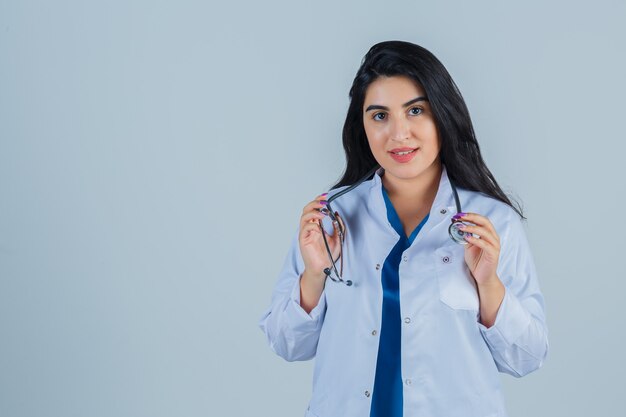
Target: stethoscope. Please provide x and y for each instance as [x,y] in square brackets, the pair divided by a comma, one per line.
[456,234]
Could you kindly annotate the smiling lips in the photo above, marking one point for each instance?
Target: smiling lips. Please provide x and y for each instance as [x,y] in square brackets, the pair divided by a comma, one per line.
[403,155]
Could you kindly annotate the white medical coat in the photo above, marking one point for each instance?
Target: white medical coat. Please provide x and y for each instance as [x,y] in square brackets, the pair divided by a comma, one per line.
[450,362]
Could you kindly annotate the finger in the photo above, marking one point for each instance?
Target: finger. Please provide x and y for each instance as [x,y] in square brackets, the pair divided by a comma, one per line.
[481,243]
[314,225]
[310,219]
[484,233]
[483,221]
[479,220]
[311,216]
[316,203]
[310,231]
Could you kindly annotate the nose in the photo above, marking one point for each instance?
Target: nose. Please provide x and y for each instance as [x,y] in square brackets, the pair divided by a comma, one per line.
[400,129]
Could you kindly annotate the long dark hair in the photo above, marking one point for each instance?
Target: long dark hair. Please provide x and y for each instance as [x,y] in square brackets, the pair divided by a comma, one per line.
[460,152]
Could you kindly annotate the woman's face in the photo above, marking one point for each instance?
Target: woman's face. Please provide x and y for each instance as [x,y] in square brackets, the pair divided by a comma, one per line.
[397,117]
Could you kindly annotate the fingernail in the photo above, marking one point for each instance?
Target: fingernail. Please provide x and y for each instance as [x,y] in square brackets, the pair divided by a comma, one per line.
[323,202]
[459,215]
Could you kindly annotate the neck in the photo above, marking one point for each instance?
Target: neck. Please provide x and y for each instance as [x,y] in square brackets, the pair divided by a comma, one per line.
[420,190]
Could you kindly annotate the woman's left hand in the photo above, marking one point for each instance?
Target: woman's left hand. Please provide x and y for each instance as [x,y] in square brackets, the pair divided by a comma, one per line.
[481,254]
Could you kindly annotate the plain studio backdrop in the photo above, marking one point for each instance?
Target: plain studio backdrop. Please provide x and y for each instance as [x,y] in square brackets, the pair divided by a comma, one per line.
[155,158]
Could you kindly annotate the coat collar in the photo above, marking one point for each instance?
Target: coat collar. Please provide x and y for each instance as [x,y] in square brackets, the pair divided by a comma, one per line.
[443,207]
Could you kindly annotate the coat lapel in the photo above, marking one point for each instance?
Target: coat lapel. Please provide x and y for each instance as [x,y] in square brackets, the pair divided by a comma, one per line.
[442,209]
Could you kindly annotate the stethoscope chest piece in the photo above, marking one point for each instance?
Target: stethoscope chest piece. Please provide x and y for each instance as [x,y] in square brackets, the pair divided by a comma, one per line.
[457,234]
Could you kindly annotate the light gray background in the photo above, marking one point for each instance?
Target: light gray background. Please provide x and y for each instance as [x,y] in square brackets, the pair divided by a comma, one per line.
[155,158]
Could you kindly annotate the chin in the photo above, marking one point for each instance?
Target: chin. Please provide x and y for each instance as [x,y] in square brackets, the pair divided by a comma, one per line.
[408,171]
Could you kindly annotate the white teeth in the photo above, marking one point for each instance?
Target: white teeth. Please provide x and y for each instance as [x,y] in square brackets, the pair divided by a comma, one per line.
[404,153]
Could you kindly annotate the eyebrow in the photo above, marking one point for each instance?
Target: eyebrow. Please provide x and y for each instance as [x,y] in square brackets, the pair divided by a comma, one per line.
[408,103]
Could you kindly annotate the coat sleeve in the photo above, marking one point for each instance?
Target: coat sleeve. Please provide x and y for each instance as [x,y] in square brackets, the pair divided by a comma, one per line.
[292,333]
[518,339]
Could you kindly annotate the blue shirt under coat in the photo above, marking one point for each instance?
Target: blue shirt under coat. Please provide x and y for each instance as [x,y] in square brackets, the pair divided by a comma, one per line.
[387,394]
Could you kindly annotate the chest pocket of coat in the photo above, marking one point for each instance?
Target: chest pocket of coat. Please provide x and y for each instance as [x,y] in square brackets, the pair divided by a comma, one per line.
[457,288]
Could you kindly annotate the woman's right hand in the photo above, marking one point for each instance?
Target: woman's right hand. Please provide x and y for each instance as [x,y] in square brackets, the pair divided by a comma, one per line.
[311,242]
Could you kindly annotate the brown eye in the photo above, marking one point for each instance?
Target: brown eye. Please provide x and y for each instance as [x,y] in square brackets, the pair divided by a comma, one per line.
[377,114]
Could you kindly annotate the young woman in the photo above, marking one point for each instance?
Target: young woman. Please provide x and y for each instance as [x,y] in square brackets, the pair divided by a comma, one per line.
[433,289]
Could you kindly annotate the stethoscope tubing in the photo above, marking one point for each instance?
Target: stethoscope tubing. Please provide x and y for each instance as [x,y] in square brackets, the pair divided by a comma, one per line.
[456,234]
